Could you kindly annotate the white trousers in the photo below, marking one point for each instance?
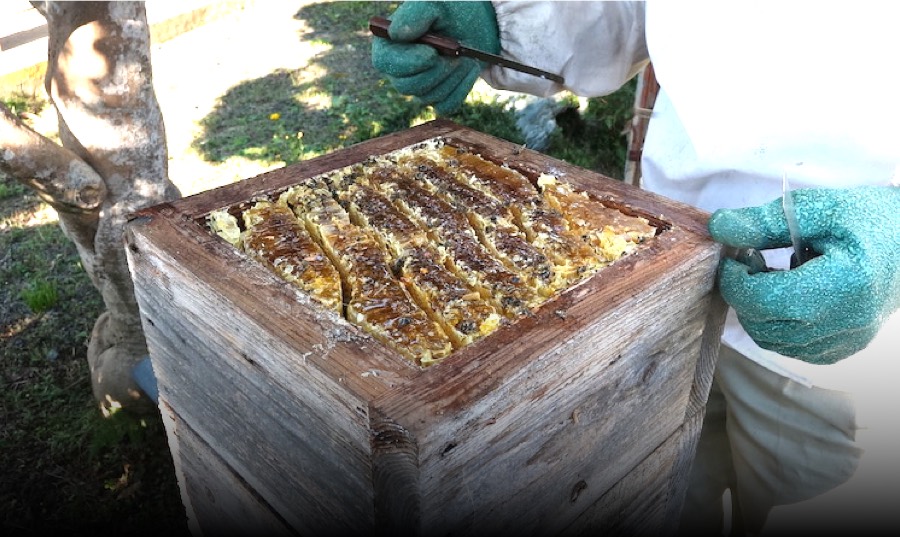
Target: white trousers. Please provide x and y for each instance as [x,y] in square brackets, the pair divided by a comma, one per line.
[771,442]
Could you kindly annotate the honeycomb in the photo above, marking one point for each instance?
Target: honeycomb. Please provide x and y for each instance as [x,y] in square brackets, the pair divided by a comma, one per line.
[431,247]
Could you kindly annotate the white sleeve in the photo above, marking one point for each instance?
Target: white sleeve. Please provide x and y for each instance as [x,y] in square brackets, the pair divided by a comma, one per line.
[595,46]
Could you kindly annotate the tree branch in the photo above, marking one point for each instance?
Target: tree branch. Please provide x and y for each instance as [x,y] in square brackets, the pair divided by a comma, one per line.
[55,173]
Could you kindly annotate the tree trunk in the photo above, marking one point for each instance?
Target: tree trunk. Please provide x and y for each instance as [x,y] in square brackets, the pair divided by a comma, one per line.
[113,161]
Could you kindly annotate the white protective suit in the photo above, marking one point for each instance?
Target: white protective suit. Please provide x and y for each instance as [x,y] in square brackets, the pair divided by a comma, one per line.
[748,91]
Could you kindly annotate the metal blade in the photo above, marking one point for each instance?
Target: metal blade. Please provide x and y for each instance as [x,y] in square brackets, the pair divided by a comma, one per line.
[446,46]
[750,257]
[494,59]
[787,205]
[802,252]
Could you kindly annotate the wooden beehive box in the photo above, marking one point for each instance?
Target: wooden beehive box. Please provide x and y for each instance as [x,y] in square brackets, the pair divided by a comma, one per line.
[284,418]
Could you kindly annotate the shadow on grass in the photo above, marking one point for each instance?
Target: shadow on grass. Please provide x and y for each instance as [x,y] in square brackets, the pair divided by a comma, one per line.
[38,256]
[66,469]
[337,100]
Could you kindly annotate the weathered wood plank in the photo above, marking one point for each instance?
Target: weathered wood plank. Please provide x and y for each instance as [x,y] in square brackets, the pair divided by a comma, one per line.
[296,435]
[636,505]
[709,353]
[220,502]
[584,408]
[679,475]
[172,437]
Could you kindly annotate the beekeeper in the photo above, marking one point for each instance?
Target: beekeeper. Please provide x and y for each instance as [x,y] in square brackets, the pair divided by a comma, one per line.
[802,422]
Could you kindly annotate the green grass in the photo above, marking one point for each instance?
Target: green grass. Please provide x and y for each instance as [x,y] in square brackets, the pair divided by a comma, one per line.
[19,102]
[12,190]
[40,296]
[65,467]
[340,99]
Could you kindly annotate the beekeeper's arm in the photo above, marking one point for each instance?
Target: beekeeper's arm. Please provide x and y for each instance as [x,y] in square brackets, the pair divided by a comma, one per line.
[595,46]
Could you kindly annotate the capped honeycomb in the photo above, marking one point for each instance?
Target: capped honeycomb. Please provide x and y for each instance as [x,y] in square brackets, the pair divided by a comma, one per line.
[431,247]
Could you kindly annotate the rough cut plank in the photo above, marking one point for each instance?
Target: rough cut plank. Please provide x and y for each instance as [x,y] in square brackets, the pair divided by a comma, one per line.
[314,436]
[709,353]
[229,506]
[636,505]
[172,437]
[679,475]
[553,416]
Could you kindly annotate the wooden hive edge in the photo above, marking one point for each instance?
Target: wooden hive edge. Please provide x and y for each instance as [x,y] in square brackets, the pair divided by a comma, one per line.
[684,225]
[268,183]
[433,417]
[400,400]
[255,291]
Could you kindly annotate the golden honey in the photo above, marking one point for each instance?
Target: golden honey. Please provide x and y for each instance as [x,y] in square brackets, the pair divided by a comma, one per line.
[431,247]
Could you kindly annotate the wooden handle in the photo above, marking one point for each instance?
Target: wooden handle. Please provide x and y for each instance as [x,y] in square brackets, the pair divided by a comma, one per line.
[444,45]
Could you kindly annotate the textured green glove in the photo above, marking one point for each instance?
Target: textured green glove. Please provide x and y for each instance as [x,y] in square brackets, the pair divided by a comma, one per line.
[833,305]
[416,69]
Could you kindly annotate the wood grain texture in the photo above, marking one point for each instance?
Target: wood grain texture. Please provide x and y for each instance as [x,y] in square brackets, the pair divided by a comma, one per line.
[295,435]
[679,475]
[637,504]
[709,351]
[172,437]
[581,415]
[229,506]
[552,410]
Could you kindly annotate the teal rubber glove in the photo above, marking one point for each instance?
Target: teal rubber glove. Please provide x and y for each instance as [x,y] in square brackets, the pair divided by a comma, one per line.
[418,70]
[833,305]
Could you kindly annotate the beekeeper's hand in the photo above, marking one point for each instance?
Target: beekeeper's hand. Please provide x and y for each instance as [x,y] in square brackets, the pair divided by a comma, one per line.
[418,70]
[833,305]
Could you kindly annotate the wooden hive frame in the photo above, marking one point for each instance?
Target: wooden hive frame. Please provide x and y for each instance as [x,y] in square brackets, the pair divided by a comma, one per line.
[282,417]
